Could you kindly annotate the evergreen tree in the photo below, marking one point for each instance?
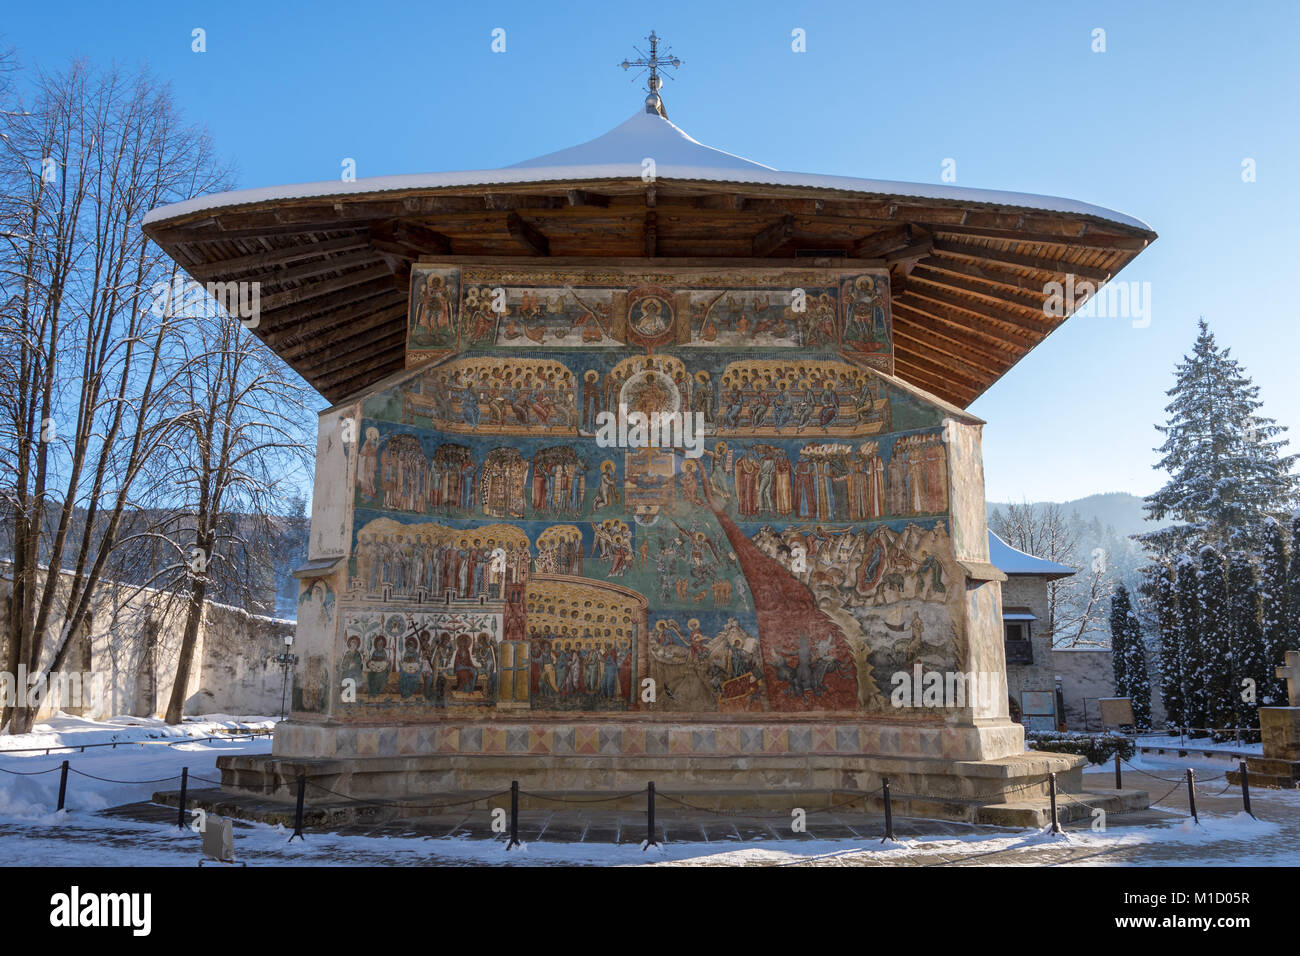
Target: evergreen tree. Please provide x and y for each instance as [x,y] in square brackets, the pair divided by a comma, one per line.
[1275,613]
[1213,692]
[1129,657]
[1120,609]
[1247,659]
[1162,597]
[1292,634]
[1227,473]
[1190,644]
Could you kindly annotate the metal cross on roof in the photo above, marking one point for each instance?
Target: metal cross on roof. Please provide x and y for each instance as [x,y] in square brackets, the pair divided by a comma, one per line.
[654,63]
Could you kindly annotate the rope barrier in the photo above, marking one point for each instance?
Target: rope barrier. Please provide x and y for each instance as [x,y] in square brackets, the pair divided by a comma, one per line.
[28,773]
[392,805]
[562,800]
[82,773]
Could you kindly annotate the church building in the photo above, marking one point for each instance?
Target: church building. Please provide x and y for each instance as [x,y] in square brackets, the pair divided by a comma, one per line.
[649,462]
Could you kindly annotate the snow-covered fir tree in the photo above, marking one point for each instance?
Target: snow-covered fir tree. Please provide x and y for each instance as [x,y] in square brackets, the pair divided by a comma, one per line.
[1129,657]
[1225,462]
[1161,607]
[1188,643]
[1212,700]
[1275,617]
[1292,634]
[1248,663]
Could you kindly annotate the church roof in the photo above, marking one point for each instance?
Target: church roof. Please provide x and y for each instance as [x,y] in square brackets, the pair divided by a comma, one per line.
[620,154]
[1013,561]
[968,267]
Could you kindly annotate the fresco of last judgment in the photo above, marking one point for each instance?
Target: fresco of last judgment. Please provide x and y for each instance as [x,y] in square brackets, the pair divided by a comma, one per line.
[517,546]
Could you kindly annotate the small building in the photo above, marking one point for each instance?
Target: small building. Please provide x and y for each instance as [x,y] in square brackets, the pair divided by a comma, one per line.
[1034,697]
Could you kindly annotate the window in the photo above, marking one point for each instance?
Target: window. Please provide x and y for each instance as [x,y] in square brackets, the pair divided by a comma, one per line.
[1019,648]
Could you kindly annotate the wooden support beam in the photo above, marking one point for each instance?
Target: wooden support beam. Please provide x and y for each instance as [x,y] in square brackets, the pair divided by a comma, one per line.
[651,233]
[997,295]
[514,201]
[721,202]
[909,254]
[960,395]
[313,314]
[377,340]
[960,267]
[1058,267]
[944,338]
[1040,325]
[311,270]
[340,342]
[528,235]
[969,325]
[882,242]
[408,239]
[276,257]
[584,197]
[917,350]
[367,370]
[773,237]
[1086,237]
[294,296]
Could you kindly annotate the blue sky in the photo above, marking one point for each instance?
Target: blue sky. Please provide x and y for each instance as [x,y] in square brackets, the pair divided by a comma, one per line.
[1157,126]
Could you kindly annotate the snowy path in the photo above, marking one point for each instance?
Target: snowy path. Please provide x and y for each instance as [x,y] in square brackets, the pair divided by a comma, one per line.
[110,823]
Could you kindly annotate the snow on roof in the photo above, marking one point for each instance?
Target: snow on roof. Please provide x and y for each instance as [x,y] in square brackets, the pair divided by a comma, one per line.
[619,154]
[1011,560]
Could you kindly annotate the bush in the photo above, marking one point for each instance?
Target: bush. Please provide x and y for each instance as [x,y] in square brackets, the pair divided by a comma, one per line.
[1098,748]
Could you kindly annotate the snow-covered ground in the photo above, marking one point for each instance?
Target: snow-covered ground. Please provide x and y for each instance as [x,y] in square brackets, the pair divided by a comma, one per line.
[64,731]
[31,833]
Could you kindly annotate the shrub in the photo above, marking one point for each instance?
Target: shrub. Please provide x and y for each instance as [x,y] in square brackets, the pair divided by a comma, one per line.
[1098,748]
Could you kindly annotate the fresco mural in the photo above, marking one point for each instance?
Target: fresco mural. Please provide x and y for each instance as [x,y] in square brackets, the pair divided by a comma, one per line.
[787,553]
[461,308]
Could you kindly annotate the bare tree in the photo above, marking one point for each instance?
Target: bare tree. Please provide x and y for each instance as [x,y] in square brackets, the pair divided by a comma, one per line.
[1076,605]
[236,473]
[90,385]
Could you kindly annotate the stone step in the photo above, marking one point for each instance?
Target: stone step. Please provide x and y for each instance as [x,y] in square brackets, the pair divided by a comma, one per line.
[324,810]
[1269,781]
[1069,808]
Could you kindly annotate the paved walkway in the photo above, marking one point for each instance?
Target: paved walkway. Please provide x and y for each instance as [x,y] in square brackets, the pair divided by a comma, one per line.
[144,833]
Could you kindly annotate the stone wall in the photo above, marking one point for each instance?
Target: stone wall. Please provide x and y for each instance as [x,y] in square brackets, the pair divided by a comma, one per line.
[131,645]
[1087,674]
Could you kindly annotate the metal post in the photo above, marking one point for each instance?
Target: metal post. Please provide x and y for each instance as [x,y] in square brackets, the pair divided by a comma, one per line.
[1051,788]
[1245,787]
[297,819]
[1191,793]
[1119,783]
[889,812]
[185,780]
[514,815]
[650,817]
[63,784]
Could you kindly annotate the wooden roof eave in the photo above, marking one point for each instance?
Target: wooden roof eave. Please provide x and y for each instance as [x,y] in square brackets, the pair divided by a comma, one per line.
[969,278]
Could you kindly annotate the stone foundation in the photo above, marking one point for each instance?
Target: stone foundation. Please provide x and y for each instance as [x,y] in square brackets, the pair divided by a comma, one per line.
[732,767]
[637,737]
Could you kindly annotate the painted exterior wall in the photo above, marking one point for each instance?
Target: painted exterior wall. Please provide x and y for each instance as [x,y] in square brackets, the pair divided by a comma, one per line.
[503,558]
